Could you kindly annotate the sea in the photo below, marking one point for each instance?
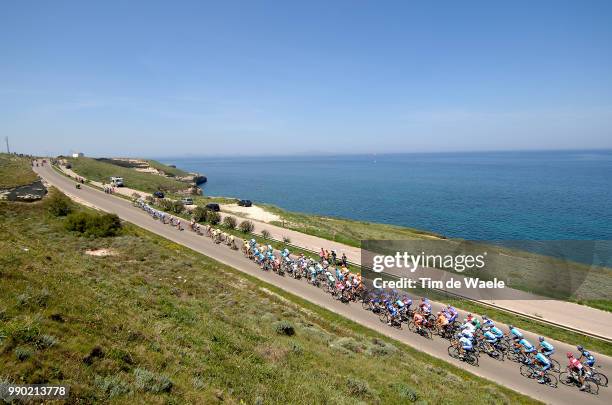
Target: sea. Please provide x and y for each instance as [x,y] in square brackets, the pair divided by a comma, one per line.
[543,195]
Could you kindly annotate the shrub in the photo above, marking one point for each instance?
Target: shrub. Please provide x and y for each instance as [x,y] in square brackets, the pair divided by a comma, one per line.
[380,348]
[247,226]
[357,387]
[22,353]
[284,328]
[112,385]
[230,222]
[166,205]
[46,341]
[177,207]
[296,348]
[265,234]
[349,344]
[200,214]
[93,224]
[149,199]
[136,196]
[407,392]
[59,204]
[42,298]
[151,382]
[286,239]
[213,217]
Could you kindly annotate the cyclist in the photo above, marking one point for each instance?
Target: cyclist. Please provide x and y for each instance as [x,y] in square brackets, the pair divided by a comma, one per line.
[465,344]
[586,357]
[544,363]
[576,368]
[442,320]
[418,319]
[525,347]
[468,325]
[425,306]
[545,348]
[393,313]
[491,338]
[497,332]
[515,334]
[453,313]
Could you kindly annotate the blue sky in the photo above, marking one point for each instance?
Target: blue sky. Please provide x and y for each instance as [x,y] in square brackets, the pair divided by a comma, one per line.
[201,78]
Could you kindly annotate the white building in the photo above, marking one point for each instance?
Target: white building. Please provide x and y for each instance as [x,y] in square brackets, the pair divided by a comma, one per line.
[77,154]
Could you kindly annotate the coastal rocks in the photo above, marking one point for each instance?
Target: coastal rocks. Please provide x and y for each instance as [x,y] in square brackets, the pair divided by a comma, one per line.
[193,190]
[194,178]
[27,193]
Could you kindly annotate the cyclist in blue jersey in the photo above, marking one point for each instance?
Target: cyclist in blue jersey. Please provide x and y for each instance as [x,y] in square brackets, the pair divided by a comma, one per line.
[465,343]
[515,334]
[545,348]
[586,358]
[497,332]
[544,363]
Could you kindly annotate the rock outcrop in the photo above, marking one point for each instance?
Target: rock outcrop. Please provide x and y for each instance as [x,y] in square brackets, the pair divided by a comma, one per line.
[27,193]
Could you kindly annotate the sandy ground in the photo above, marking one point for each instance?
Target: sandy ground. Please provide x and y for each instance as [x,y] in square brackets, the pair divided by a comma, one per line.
[503,372]
[254,212]
[101,252]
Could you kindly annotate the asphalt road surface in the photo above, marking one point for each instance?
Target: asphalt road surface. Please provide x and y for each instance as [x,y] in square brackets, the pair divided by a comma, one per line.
[504,372]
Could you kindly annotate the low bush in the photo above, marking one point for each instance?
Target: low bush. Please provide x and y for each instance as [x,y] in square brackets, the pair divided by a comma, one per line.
[151,382]
[286,239]
[213,217]
[247,226]
[46,341]
[265,234]
[22,353]
[59,204]
[407,392]
[284,328]
[230,222]
[112,385]
[177,207]
[199,214]
[357,387]
[93,224]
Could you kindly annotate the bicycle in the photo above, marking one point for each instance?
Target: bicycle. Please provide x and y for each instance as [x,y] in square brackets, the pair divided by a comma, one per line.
[569,378]
[468,356]
[532,372]
[597,377]
[424,330]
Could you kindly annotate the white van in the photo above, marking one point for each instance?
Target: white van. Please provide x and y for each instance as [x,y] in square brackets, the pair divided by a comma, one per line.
[116,181]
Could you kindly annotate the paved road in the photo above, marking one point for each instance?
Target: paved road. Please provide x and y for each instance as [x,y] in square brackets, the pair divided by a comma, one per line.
[569,314]
[506,372]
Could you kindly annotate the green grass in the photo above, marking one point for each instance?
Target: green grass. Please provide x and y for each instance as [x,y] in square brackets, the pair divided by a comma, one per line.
[101,171]
[15,171]
[498,315]
[127,327]
[342,230]
[172,171]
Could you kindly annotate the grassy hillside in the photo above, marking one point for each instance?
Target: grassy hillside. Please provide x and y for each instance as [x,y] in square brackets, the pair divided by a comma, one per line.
[342,230]
[101,171]
[158,323]
[171,171]
[15,171]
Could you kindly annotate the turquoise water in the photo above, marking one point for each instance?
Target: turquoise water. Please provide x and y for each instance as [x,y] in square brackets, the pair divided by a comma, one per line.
[484,196]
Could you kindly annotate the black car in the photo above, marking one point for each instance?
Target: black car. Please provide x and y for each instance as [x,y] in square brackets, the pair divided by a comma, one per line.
[213,207]
[158,194]
[245,203]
